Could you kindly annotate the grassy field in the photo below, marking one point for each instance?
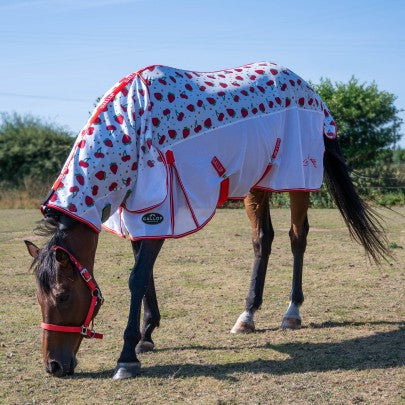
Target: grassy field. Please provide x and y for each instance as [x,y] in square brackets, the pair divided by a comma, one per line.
[349,350]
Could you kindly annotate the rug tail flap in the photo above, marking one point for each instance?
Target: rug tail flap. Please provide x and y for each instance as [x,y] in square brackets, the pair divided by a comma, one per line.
[298,165]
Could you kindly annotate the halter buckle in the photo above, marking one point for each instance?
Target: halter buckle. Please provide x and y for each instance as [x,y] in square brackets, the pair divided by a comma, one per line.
[97,293]
[87,333]
[86,275]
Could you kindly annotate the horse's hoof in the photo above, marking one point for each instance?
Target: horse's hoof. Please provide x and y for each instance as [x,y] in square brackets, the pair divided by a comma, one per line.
[127,370]
[291,323]
[144,346]
[243,327]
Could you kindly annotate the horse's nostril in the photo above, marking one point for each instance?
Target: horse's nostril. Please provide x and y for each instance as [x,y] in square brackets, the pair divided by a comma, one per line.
[55,368]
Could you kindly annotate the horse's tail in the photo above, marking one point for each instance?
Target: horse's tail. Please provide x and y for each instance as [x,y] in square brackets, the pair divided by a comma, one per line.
[363,222]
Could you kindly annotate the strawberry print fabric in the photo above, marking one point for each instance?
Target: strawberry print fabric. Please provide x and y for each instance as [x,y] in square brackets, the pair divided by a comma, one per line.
[146,163]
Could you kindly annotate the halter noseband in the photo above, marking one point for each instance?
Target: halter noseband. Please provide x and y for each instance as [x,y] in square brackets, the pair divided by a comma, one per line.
[96,297]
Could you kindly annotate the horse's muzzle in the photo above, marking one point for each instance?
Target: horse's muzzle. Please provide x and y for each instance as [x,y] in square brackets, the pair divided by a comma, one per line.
[59,369]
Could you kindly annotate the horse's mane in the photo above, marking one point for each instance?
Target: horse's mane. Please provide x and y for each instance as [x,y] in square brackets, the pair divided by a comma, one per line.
[55,225]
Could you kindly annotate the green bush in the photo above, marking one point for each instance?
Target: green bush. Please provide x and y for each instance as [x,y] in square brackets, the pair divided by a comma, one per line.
[32,151]
[367,119]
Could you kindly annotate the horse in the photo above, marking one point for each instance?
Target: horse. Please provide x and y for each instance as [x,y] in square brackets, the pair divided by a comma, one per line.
[162,149]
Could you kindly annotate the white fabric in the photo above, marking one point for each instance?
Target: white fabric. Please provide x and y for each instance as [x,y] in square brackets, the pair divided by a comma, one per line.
[120,172]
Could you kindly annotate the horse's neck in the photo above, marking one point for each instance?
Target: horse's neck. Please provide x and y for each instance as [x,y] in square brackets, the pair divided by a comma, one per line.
[82,242]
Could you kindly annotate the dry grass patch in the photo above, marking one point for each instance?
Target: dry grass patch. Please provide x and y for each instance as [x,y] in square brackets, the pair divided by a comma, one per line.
[349,350]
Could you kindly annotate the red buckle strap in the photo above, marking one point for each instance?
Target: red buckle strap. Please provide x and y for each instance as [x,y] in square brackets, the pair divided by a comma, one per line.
[86,332]
[96,298]
[223,193]
[224,187]
[60,328]
[218,166]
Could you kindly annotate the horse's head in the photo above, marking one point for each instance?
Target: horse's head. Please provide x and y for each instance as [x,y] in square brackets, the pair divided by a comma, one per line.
[62,292]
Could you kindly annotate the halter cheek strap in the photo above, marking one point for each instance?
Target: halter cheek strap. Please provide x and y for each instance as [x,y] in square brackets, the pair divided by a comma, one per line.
[96,298]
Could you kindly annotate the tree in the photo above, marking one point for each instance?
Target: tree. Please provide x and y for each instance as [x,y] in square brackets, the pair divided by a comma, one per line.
[31,148]
[366,118]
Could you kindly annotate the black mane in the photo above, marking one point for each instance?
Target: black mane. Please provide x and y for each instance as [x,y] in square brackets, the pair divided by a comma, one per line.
[55,225]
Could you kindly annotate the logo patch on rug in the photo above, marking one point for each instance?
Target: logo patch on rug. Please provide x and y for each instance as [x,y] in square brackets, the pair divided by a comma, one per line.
[152,218]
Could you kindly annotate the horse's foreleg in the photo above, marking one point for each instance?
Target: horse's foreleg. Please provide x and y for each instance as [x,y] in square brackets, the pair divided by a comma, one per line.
[151,314]
[151,318]
[257,209]
[128,364]
[298,237]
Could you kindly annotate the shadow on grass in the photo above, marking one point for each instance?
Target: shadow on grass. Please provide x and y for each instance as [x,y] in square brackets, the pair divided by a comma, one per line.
[331,324]
[382,350]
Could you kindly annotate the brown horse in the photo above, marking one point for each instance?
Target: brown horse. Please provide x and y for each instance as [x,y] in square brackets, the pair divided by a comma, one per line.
[70,298]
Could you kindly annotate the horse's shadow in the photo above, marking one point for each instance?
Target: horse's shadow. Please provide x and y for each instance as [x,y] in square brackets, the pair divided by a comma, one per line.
[381,350]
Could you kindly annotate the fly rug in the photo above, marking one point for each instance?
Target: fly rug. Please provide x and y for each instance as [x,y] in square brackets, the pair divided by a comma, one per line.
[165,146]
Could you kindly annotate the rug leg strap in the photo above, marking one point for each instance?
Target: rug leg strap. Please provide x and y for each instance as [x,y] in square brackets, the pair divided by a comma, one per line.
[223,192]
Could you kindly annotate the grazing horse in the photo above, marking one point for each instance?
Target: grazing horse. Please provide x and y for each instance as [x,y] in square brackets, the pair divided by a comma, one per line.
[163,148]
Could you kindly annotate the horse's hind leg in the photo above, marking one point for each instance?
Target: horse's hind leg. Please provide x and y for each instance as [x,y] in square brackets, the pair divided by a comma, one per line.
[298,237]
[258,211]
[151,318]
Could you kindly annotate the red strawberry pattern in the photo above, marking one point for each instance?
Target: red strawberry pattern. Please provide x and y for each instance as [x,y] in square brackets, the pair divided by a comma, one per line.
[148,111]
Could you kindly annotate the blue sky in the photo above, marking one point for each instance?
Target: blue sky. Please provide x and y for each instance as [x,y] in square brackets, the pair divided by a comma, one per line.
[59,55]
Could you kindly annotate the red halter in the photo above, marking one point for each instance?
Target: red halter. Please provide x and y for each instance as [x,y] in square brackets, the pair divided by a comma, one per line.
[95,298]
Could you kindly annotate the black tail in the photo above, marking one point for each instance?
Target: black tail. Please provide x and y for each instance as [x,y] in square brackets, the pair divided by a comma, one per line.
[363,222]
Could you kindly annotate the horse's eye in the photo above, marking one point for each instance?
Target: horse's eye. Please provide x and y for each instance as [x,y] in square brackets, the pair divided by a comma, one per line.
[62,298]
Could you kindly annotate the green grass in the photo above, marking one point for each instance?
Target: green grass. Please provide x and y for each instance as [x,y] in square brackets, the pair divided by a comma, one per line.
[349,350]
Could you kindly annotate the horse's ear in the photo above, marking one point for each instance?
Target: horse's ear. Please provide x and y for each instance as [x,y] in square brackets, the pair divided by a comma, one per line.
[61,257]
[33,249]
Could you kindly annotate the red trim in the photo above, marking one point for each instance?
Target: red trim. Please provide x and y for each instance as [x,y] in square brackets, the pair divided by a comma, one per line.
[335,136]
[143,209]
[170,159]
[266,172]
[223,192]
[272,190]
[185,196]
[175,236]
[122,83]
[122,234]
[172,223]
[70,214]
[108,98]
[270,165]
[106,228]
